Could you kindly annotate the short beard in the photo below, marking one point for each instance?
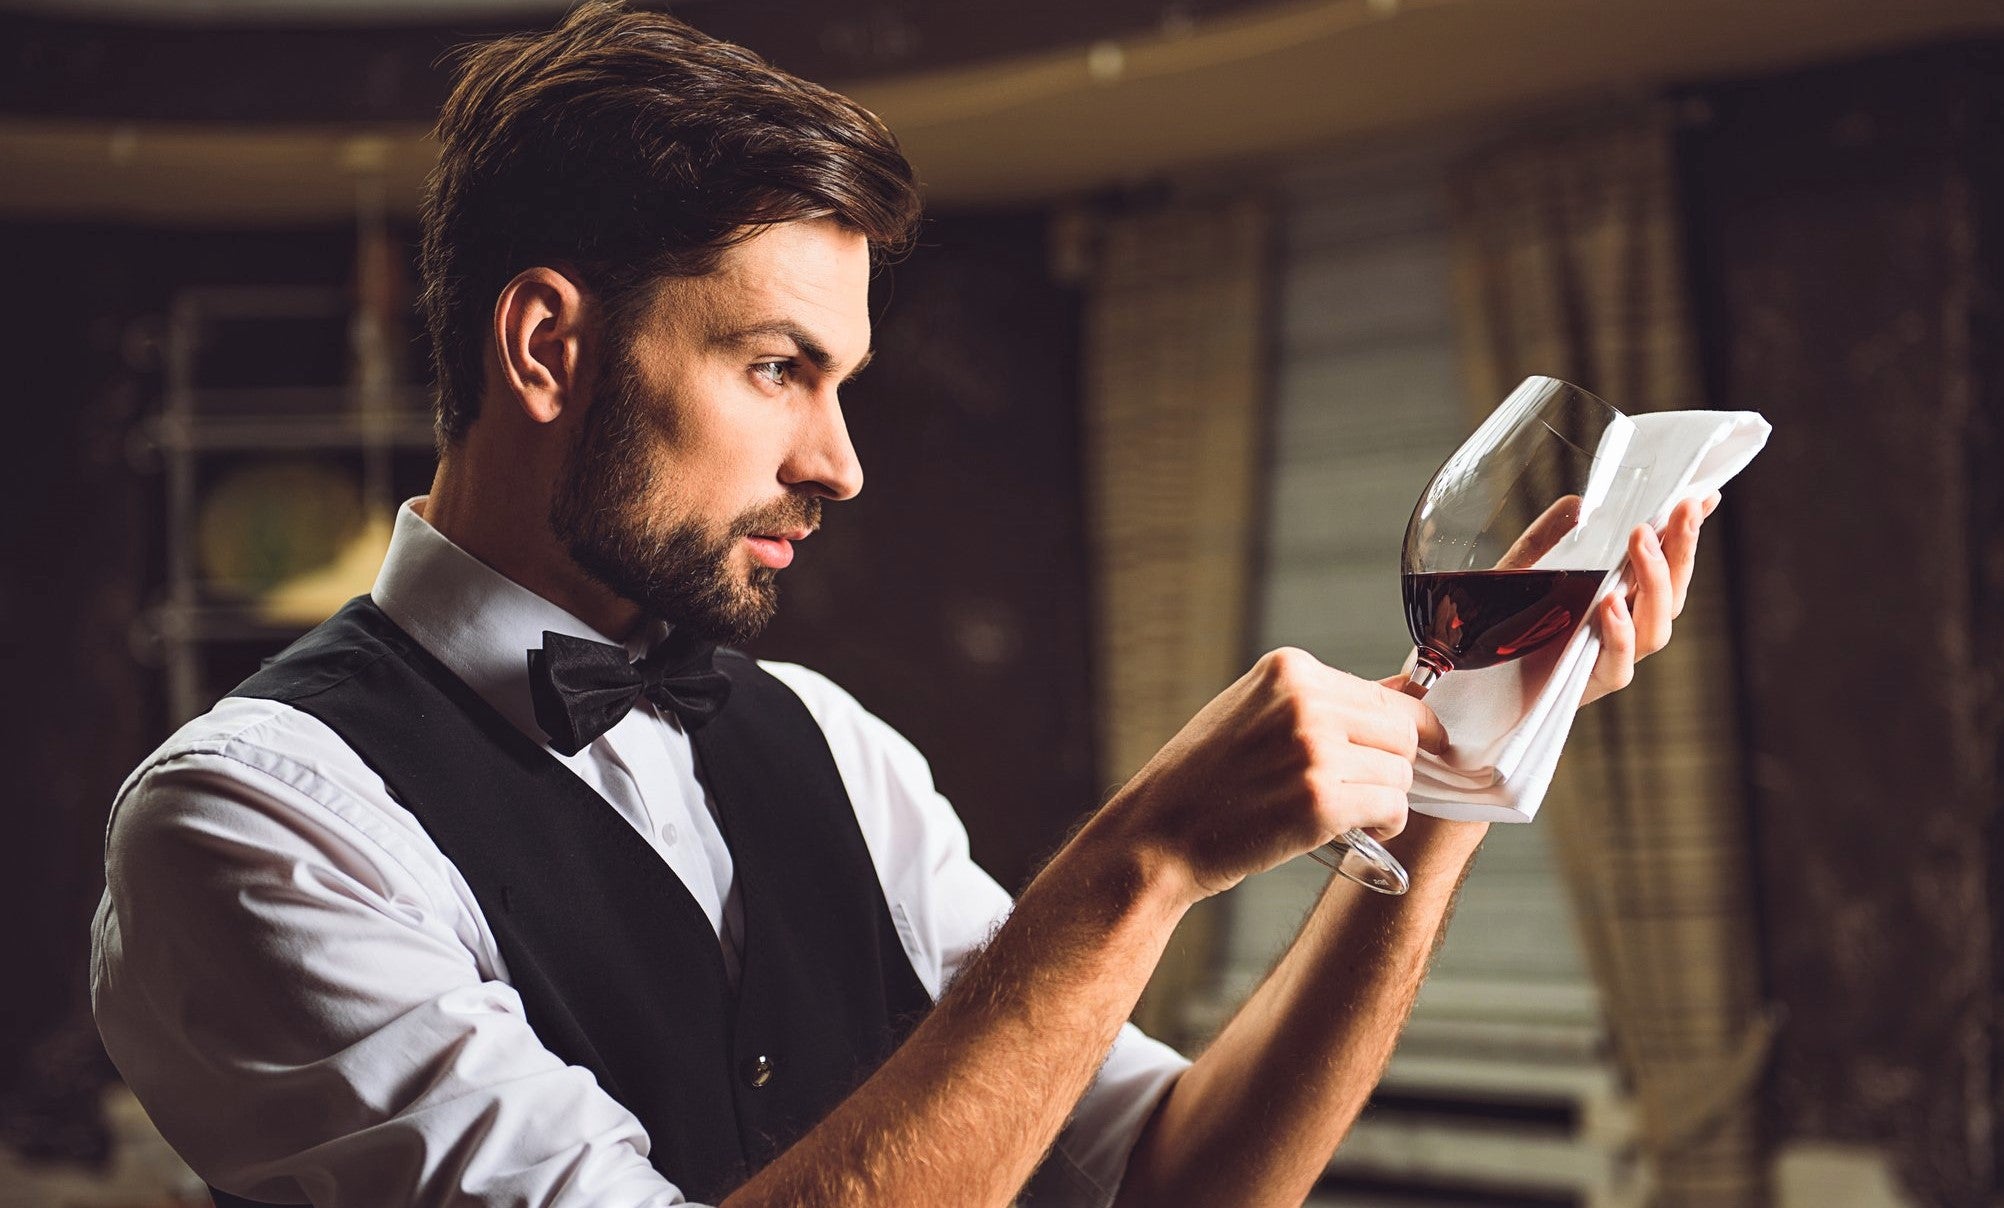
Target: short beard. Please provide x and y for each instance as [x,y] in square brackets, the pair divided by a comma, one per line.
[681,573]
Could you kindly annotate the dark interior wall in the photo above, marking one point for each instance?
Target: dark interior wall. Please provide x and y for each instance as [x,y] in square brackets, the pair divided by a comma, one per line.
[70,571]
[79,561]
[1846,226]
[949,597]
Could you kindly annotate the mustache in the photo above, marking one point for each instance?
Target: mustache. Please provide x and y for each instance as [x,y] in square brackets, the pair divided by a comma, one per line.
[783,515]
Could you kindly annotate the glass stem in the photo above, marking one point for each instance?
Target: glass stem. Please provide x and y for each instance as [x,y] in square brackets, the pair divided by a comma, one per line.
[1422,677]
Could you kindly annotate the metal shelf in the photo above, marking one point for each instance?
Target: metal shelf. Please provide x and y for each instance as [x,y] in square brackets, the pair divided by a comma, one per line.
[225,402]
[170,622]
[181,432]
[374,416]
[204,304]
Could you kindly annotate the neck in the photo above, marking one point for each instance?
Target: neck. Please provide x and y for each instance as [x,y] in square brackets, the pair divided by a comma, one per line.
[508,528]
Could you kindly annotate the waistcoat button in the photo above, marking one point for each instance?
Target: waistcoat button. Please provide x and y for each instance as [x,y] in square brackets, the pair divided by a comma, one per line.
[758,1071]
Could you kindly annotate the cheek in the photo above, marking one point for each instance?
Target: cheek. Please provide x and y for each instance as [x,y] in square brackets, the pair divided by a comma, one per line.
[713,474]
[735,446]
[716,446]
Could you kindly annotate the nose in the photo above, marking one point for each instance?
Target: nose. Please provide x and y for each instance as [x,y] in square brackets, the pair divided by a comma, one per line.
[824,460]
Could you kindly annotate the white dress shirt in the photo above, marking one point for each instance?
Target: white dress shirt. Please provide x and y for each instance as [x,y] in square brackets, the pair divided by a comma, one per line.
[303,993]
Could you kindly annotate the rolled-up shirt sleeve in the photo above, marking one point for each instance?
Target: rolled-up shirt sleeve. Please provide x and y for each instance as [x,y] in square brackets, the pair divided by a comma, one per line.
[276,980]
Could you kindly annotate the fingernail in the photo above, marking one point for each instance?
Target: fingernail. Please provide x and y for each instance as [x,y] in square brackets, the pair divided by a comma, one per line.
[1650,539]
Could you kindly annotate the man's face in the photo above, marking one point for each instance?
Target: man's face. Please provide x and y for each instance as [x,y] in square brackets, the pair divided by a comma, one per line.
[714,433]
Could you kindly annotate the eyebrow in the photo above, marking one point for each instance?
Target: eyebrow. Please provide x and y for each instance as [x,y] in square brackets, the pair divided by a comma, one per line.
[816,353]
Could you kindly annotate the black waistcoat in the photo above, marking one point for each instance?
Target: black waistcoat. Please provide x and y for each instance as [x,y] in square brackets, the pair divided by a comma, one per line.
[618,968]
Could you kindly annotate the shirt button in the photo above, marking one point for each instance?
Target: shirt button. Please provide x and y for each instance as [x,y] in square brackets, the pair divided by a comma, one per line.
[669,834]
[758,1071]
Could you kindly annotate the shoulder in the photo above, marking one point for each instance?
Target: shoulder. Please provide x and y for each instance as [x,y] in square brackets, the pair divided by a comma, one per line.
[254,777]
[329,654]
[262,742]
[827,700]
[856,736]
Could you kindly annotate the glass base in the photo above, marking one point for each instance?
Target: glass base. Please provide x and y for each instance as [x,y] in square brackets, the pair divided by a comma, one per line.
[1364,860]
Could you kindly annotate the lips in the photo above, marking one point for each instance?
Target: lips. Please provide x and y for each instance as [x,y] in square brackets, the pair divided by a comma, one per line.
[775,551]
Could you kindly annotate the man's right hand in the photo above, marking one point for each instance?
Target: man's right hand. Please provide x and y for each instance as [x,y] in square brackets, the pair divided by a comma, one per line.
[1292,755]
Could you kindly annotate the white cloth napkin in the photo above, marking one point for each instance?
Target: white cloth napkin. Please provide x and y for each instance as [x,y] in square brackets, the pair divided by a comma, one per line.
[1507,724]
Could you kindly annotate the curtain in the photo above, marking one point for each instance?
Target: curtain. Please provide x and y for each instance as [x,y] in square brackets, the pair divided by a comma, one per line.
[1175,345]
[1849,220]
[1569,262]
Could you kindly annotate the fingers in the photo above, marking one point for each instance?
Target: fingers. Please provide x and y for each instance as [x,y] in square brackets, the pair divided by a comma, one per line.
[1616,665]
[1377,808]
[1662,567]
[1356,741]
[1680,546]
[1431,735]
[1655,591]
[1369,766]
[1391,721]
[1368,787]
[1558,520]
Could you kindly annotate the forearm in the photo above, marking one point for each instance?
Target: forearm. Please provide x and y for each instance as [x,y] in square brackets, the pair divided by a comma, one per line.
[1255,1119]
[966,1107]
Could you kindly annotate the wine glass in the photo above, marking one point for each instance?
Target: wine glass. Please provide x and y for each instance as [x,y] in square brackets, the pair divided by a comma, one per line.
[1507,550]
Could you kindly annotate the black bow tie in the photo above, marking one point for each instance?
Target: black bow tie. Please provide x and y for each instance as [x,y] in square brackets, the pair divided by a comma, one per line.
[582,688]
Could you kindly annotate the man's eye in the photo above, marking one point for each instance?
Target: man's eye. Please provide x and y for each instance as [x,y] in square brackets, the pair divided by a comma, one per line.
[773,373]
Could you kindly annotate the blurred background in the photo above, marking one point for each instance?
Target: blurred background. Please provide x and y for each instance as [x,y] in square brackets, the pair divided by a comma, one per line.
[1207,290]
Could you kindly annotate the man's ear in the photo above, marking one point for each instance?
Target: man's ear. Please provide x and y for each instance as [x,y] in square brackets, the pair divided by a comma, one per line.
[539,329]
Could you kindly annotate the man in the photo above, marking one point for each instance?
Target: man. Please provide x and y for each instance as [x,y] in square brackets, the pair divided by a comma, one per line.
[503,887]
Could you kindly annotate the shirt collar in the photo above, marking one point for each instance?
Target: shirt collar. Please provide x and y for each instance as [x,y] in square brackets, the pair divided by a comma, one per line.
[477,621]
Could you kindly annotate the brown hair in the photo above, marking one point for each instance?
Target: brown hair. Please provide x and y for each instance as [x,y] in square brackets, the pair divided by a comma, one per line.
[624,146]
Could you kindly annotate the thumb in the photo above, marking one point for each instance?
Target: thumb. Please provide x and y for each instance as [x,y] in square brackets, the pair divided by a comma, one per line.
[1432,735]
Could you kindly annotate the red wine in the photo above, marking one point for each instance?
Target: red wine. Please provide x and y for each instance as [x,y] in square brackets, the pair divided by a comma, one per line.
[1479,618]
